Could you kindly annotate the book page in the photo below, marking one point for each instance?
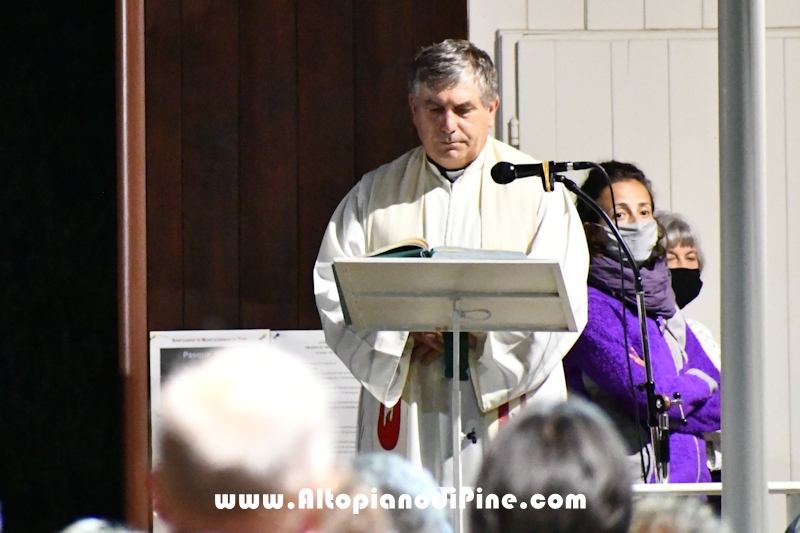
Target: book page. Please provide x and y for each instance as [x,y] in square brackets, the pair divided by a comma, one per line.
[406,244]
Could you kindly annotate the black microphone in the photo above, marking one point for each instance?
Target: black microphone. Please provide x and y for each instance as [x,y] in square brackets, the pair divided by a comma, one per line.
[504,172]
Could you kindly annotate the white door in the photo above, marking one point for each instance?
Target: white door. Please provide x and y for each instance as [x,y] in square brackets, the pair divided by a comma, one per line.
[651,97]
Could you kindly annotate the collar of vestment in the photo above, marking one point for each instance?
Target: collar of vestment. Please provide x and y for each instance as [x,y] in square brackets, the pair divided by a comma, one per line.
[453,175]
[397,200]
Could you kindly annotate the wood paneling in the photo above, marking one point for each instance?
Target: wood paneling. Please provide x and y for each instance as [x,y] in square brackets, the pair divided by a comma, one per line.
[210,112]
[556,14]
[261,115]
[383,54]
[581,104]
[268,152]
[614,15]
[132,255]
[537,114]
[435,21]
[777,367]
[673,14]
[694,142]
[640,104]
[387,35]
[791,97]
[782,13]
[163,142]
[325,125]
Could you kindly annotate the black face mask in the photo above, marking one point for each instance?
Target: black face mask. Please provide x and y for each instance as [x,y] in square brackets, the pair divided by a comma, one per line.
[686,285]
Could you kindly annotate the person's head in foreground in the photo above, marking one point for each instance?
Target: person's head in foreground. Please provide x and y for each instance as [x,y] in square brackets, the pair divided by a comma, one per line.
[453,95]
[97,525]
[241,422]
[632,207]
[684,257]
[669,514]
[395,476]
[563,451]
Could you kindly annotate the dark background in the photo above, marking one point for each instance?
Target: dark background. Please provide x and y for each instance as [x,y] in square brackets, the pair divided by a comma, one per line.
[260,116]
[60,399]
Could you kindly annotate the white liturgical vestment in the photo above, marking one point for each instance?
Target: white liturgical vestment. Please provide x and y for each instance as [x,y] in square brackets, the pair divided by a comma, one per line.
[405,406]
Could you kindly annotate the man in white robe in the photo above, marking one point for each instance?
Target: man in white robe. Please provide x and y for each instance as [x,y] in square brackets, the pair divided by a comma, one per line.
[442,191]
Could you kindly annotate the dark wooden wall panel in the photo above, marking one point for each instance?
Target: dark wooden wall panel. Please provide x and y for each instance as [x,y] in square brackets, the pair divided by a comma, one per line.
[436,21]
[261,115]
[384,49]
[325,117]
[163,145]
[268,151]
[210,89]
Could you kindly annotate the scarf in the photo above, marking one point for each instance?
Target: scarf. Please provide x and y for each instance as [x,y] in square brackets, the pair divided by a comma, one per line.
[604,274]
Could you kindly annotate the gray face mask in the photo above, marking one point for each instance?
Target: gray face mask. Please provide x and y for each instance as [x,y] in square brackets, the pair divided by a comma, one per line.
[640,237]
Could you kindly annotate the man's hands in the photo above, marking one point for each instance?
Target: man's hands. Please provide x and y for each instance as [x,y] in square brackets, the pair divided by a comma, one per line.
[429,346]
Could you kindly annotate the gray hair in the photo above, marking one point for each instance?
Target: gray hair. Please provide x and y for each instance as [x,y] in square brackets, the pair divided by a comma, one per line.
[569,448]
[678,232]
[665,514]
[450,62]
[396,476]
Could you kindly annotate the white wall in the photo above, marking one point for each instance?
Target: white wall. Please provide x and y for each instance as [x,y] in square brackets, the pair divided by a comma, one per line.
[661,132]
[487,16]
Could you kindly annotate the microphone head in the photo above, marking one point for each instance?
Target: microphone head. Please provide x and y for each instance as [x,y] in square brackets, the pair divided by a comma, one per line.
[504,172]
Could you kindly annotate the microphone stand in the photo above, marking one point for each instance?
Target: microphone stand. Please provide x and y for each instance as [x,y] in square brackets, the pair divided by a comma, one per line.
[657,404]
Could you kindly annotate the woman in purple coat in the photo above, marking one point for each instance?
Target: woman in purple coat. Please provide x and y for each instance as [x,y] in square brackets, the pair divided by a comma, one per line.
[600,367]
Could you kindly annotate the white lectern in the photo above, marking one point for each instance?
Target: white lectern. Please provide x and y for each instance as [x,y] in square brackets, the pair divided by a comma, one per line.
[391,294]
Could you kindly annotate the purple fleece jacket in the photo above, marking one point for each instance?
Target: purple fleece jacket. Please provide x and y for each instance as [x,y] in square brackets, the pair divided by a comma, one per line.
[599,354]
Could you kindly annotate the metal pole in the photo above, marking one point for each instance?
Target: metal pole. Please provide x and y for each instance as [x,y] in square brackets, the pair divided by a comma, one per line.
[742,113]
[458,517]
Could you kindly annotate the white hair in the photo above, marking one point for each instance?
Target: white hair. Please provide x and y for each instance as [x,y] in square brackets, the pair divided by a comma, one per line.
[244,421]
[673,514]
[96,525]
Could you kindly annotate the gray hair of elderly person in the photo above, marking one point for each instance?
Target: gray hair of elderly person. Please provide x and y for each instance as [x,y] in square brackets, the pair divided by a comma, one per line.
[671,514]
[242,422]
[96,525]
[393,475]
[678,232]
[564,449]
[451,62]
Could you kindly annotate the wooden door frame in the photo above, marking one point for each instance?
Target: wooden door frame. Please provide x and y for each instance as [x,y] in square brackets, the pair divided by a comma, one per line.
[132,259]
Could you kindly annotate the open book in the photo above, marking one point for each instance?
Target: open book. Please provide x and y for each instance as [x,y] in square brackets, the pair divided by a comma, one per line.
[418,247]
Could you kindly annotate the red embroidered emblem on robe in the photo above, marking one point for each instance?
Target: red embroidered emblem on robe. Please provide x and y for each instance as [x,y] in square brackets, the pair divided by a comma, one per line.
[389,426]
[502,414]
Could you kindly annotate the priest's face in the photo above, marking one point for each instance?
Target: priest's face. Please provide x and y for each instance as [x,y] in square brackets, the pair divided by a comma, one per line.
[453,124]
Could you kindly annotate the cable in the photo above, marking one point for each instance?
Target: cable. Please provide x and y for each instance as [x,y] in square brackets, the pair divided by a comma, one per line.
[626,346]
